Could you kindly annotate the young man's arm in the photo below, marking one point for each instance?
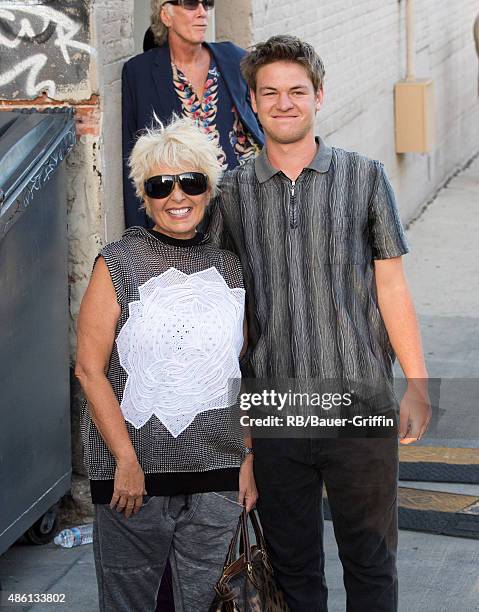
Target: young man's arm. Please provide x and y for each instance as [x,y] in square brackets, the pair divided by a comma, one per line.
[389,243]
[399,316]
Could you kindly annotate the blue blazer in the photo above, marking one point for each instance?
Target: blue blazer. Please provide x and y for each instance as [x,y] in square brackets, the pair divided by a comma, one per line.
[147,88]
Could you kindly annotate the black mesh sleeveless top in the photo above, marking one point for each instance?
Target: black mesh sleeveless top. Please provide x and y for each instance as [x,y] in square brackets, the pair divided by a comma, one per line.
[206,456]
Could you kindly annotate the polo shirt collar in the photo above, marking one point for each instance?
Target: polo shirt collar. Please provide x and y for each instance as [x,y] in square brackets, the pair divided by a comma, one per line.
[320,163]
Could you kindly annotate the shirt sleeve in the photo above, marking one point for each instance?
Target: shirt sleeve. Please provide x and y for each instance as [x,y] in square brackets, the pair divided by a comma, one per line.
[386,230]
[223,214]
[213,223]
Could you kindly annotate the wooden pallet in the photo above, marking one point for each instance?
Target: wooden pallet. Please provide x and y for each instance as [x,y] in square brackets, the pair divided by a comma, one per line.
[439,464]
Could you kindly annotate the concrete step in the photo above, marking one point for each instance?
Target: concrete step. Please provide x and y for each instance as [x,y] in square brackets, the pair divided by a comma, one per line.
[439,464]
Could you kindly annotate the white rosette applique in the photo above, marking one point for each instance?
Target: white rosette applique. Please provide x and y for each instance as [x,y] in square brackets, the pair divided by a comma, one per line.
[180,348]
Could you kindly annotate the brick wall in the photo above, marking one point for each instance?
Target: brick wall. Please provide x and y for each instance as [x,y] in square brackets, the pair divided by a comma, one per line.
[363,46]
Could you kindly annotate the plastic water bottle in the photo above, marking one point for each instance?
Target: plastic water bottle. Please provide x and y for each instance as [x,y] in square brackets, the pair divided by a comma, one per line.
[75,536]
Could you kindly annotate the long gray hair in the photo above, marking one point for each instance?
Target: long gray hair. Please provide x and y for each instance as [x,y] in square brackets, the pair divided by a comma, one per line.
[160,31]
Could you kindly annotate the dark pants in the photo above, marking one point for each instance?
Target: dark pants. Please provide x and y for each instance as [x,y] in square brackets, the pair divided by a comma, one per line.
[361,482]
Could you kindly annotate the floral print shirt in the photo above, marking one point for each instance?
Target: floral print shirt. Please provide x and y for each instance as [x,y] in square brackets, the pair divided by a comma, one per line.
[205,113]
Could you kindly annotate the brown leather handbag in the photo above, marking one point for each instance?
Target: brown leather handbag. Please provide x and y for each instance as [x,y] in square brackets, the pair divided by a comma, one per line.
[247,583]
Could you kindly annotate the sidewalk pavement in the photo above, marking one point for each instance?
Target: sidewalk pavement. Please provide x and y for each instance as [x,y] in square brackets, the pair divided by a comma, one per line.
[442,270]
[436,573]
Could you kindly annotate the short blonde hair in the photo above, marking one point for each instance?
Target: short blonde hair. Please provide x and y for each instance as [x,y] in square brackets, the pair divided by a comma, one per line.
[179,144]
[160,31]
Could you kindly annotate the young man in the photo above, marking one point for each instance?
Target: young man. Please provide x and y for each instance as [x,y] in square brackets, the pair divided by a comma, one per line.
[320,240]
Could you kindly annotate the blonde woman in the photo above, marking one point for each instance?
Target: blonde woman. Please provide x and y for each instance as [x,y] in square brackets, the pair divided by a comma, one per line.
[160,334]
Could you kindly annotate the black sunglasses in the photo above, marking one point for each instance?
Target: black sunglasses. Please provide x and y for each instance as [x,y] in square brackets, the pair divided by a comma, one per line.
[192,5]
[191,183]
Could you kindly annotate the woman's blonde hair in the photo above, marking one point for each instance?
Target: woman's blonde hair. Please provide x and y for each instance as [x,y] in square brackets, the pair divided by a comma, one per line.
[178,145]
[160,31]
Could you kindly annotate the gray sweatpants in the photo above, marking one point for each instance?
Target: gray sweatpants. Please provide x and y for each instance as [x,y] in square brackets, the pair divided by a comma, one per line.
[194,531]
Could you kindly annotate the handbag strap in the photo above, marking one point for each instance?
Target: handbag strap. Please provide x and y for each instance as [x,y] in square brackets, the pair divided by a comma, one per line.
[258,534]
[242,530]
[245,548]
[230,557]
[245,537]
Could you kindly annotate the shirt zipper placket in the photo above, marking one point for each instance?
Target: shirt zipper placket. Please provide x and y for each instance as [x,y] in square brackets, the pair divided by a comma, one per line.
[293,213]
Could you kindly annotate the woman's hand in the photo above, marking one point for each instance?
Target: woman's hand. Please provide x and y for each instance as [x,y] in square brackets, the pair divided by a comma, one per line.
[248,493]
[129,487]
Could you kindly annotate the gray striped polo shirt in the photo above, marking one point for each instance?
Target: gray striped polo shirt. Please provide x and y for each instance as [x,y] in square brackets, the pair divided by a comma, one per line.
[307,249]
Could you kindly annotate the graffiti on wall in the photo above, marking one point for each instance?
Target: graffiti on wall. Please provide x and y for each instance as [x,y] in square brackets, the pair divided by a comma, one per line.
[43,49]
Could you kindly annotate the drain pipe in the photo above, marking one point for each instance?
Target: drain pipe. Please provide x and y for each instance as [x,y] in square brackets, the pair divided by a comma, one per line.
[410,71]
[476,38]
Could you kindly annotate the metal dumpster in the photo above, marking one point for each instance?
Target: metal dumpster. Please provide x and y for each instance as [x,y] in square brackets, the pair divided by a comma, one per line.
[35,456]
